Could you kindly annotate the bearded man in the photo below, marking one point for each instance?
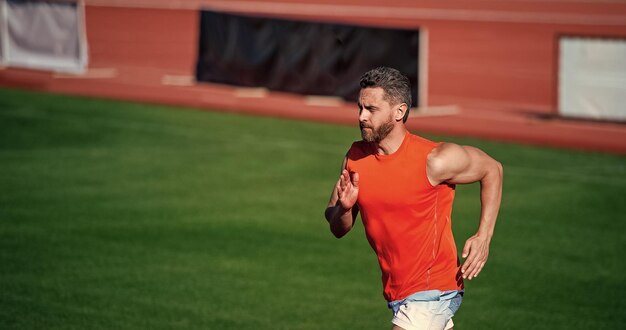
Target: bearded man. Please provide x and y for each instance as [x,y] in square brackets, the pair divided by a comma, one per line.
[403,185]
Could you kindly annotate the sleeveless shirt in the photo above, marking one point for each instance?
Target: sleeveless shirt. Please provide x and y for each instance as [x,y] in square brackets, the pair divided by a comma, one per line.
[406,219]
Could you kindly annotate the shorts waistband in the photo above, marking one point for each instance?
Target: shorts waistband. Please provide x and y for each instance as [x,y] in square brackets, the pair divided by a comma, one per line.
[429,295]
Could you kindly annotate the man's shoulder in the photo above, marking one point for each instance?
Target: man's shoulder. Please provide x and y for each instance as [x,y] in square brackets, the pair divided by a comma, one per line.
[422,140]
[360,145]
[422,146]
[358,150]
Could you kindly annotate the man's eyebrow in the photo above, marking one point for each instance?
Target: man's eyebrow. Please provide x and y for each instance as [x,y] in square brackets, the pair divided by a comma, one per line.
[368,107]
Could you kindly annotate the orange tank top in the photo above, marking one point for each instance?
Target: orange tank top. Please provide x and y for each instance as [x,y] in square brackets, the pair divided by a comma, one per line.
[406,219]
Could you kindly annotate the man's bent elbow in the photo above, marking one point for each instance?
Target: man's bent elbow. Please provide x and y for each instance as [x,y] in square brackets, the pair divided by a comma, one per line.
[500,169]
[338,232]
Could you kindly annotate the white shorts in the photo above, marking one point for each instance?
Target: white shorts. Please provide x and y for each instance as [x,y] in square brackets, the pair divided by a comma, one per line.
[411,314]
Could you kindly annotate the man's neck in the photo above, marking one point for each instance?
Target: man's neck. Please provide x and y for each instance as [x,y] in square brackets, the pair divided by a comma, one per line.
[392,142]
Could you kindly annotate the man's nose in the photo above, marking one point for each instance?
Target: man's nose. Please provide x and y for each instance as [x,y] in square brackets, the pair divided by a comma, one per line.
[363,115]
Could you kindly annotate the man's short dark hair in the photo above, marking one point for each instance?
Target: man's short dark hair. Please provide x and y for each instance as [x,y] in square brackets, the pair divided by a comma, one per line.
[397,86]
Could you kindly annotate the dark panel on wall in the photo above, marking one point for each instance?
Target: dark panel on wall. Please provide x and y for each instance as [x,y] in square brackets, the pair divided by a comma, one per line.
[300,57]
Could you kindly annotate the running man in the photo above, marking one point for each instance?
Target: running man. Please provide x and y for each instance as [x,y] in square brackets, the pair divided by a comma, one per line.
[404,185]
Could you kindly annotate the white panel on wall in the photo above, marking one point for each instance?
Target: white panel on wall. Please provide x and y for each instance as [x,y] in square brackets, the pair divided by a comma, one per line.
[3,29]
[44,35]
[592,78]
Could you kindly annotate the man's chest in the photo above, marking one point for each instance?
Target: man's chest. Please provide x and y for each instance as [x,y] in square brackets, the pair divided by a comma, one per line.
[391,185]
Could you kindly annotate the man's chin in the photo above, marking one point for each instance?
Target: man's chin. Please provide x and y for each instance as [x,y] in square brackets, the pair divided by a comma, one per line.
[367,137]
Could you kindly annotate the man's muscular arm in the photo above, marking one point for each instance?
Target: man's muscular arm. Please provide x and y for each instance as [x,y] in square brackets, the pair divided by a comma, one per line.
[342,209]
[456,164]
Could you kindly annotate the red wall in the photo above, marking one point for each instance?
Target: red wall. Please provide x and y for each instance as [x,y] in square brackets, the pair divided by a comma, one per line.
[492,54]
[142,37]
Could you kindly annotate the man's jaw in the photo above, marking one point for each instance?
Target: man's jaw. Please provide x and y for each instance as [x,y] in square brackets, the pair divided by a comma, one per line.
[367,134]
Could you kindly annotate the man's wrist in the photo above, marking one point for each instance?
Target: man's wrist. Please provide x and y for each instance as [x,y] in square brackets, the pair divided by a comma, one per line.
[485,233]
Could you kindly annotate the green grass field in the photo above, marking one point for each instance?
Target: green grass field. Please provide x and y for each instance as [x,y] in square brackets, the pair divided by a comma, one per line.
[117,215]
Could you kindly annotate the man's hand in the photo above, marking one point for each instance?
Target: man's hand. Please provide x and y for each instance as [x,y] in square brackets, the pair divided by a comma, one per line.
[347,189]
[475,252]
[342,209]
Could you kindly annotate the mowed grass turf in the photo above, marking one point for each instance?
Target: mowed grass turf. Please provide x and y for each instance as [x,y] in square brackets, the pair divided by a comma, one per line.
[117,215]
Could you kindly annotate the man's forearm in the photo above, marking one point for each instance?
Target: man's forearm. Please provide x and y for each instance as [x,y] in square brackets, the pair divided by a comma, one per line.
[339,219]
[490,197]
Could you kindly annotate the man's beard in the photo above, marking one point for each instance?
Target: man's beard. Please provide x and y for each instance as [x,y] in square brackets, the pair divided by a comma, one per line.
[378,134]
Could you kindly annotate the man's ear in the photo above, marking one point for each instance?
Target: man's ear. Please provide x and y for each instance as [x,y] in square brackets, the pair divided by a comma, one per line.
[400,111]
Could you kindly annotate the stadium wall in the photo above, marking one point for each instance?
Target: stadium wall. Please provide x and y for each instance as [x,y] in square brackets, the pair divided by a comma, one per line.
[492,68]
[480,53]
